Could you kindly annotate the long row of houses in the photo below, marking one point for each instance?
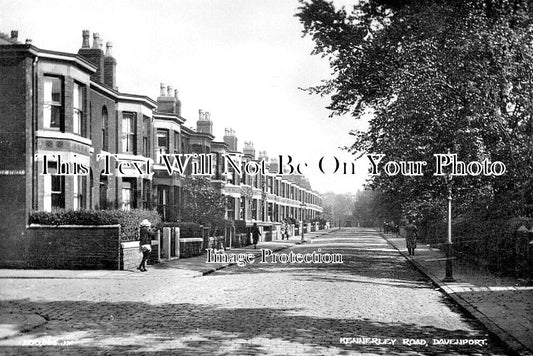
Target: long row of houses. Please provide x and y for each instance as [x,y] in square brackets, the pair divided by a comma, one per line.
[62,114]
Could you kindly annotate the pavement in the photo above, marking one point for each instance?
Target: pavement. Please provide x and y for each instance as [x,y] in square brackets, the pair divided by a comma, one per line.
[13,321]
[503,305]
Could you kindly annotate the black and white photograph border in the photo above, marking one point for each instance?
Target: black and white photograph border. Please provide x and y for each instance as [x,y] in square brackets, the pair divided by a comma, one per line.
[266,177]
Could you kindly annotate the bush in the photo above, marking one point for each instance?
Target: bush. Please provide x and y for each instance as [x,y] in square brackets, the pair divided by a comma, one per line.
[129,221]
[240,227]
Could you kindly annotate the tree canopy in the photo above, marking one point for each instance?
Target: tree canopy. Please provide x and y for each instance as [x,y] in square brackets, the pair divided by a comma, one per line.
[432,76]
[203,204]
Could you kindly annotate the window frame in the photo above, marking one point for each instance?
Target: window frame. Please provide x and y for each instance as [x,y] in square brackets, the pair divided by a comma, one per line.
[146,135]
[79,124]
[54,104]
[105,128]
[131,134]
[129,204]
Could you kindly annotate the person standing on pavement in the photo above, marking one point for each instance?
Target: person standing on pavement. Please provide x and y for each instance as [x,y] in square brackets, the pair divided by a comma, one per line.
[411,234]
[145,243]
[255,234]
[284,230]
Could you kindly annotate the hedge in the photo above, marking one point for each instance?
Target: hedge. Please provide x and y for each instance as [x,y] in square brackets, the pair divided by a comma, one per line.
[129,220]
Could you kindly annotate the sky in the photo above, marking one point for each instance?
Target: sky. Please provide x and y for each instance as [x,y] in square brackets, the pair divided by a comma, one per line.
[242,60]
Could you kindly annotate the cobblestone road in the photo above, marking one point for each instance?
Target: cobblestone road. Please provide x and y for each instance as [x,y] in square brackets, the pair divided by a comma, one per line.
[259,309]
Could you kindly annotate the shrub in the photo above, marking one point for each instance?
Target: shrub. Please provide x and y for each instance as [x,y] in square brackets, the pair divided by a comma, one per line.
[240,227]
[129,221]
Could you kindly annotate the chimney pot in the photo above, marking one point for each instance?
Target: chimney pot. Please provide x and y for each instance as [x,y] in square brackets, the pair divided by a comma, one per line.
[96,40]
[14,35]
[85,42]
[28,41]
[162,89]
[109,49]
[169,90]
[176,93]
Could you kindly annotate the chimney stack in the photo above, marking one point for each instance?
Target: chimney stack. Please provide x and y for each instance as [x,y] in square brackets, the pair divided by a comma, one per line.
[14,35]
[110,67]
[95,55]
[96,40]
[263,155]
[85,41]
[204,123]
[230,139]
[168,100]
[109,49]
[249,149]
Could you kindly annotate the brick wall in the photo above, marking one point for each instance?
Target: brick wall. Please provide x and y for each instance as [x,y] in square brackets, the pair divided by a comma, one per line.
[190,247]
[98,102]
[15,163]
[73,247]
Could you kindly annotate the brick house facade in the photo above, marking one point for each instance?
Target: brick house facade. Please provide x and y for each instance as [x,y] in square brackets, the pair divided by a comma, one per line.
[58,108]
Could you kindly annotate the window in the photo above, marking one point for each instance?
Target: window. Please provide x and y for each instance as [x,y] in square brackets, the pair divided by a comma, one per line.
[162,144]
[162,202]
[79,189]
[230,208]
[242,210]
[230,176]
[243,174]
[146,136]
[162,141]
[254,209]
[53,103]
[128,194]
[176,142]
[79,126]
[105,129]
[54,185]
[129,132]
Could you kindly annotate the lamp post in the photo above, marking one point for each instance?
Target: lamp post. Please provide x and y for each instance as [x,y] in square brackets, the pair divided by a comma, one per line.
[449,248]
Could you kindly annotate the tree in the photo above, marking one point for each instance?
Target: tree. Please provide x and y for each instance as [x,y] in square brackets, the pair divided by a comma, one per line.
[435,75]
[203,204]
[338,207]
[372,208]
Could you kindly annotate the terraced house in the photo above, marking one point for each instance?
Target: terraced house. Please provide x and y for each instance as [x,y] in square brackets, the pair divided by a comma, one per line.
[65,128]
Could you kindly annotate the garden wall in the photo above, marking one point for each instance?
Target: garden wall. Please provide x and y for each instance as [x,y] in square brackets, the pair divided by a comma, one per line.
[74,247]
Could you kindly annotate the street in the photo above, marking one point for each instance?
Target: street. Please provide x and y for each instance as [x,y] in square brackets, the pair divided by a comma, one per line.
[372,303]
